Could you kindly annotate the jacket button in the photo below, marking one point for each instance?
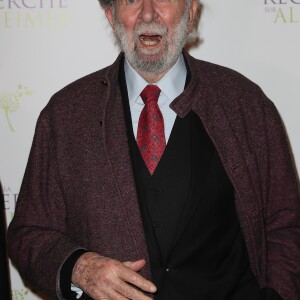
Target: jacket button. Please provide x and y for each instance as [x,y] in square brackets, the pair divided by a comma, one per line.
[167,270]
[104,82]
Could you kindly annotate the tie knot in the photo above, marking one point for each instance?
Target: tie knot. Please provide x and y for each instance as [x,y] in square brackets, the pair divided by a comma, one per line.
[150,93]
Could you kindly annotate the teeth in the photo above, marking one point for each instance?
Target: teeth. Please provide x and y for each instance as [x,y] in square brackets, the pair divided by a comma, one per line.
[149,43]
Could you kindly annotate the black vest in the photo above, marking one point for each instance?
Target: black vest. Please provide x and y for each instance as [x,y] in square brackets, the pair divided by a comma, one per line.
[194,240]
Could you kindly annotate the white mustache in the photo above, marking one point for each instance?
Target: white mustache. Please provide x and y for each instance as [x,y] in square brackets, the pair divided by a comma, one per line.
[151,28]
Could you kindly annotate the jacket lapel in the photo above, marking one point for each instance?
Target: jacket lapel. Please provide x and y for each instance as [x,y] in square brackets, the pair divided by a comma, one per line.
[116,142]
[205,96]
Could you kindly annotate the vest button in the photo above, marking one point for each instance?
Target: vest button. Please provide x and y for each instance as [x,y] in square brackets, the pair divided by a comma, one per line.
[154,192]
[155,225]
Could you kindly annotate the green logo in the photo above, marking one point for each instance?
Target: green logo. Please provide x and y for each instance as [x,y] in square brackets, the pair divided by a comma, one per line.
[10,102]
[19,294]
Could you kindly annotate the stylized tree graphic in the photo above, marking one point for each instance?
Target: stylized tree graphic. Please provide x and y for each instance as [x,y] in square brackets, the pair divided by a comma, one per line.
[10,101]
[19,294]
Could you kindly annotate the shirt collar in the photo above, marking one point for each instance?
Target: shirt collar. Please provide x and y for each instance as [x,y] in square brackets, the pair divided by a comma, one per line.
[171,84]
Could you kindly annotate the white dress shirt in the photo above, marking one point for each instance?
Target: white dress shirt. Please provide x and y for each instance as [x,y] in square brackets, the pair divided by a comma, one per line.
[171,86]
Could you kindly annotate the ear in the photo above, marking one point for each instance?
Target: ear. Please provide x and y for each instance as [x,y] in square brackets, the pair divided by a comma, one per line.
[109,16]
[192,13]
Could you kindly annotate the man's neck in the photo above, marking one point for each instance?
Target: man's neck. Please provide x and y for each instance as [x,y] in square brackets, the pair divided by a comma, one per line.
[151,77]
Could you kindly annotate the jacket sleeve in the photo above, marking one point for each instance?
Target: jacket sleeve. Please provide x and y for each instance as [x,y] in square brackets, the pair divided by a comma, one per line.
[282,215]
[37,241]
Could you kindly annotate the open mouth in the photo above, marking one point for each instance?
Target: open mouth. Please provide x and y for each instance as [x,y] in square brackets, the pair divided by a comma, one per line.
[150,40]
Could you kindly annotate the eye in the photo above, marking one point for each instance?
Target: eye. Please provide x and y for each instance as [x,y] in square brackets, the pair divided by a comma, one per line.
[132,2]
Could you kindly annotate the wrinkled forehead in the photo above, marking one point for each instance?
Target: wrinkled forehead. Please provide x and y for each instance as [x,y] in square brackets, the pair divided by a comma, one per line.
[111,2]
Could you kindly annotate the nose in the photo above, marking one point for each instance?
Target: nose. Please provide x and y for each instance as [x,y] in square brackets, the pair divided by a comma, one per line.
[148,12]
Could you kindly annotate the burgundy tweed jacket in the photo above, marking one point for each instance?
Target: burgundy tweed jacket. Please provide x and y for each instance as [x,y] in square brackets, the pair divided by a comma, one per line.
[79,191]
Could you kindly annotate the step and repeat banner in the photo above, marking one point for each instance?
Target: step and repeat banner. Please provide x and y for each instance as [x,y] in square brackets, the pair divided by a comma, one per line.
[46,44]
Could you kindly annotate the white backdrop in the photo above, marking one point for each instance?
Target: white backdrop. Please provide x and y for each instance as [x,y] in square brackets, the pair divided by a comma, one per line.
[46,44]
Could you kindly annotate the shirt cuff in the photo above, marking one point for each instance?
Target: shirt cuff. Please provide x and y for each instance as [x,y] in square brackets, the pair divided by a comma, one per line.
[66,276]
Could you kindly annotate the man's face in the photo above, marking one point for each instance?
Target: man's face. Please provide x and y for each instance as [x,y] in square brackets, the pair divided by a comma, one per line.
[152,33]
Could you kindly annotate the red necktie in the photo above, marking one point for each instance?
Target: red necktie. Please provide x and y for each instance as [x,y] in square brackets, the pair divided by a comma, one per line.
[151,135]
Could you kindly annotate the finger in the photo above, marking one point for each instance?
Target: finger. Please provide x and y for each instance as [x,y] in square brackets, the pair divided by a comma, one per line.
[138,281]
[130,292]
[135,265]
[109,295]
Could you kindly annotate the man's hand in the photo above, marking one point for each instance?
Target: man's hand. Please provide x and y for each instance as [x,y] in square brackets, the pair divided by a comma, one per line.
[104,278]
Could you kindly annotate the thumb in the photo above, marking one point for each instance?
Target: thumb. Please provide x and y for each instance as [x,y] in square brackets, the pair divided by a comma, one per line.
[135,265]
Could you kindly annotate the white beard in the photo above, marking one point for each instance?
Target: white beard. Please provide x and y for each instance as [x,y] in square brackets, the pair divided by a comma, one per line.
[153,61]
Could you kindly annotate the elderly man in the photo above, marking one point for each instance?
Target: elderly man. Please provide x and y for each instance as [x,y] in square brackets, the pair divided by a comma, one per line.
[160,176]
